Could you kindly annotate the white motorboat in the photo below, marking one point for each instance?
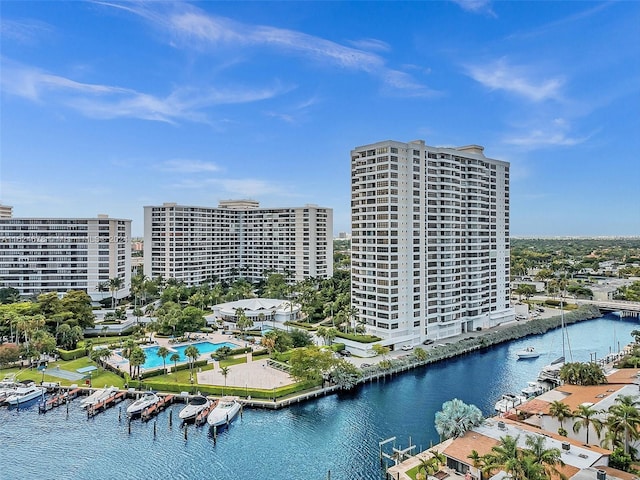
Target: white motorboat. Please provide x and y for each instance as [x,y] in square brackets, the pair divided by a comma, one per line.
[533,389]
[509,401]
[143,402]
[24,393]
[196,405]
[8,386]
[551,373]
[224,413]
[529,352]
[98,396]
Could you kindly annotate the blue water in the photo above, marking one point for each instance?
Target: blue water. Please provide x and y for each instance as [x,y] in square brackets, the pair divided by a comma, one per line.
[154,361]
[338,433]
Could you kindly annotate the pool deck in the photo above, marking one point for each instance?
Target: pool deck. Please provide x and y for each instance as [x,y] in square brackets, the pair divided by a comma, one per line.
[252,374]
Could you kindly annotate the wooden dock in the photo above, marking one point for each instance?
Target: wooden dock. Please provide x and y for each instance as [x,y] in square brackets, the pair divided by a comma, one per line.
[201,418]
[57,400]
[153,410]
[109,402]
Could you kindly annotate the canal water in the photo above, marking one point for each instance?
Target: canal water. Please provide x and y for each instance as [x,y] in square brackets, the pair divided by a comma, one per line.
[338,433]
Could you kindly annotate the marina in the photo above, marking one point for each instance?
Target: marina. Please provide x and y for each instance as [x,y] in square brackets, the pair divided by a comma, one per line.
[337,432]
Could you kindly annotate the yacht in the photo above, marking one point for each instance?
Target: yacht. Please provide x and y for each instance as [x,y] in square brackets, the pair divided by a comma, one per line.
[509,401]
[533,389]
[196,405]
[98,396]
[143,402]
[224,413]
[24,392]
[529,352]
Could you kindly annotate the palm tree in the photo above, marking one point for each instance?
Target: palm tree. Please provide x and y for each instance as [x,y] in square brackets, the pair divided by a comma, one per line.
[224,371]
[585,415]
[137,358]
[192,353]
[100,355]
[623,420]
[321,332]
[549,458]
[174,358]
[560,411]
[163,352]
[115,284]
[456,418]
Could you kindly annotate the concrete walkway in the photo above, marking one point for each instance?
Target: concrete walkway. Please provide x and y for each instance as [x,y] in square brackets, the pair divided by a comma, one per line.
[253,374]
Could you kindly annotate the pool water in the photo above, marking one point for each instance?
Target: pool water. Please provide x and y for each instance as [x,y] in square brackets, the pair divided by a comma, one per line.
[154,361]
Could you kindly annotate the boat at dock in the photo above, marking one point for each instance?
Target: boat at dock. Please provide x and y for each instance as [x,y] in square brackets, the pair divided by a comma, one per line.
[224,413]
[25,392]
[529,352]
[98,396]
[143,402]
[8,386]
[533,389]
[509,401]
[196,405]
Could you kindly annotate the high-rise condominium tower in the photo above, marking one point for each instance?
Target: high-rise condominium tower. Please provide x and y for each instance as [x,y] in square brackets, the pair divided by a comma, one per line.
[430,240]
[40,255]
[237,239]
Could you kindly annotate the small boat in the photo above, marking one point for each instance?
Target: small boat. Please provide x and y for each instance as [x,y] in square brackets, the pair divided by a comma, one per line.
[143,402]
[224,413]
[8,386]
[196,405]
[508,401]
[529,352]
[98,396]
[25,392]
[533,389]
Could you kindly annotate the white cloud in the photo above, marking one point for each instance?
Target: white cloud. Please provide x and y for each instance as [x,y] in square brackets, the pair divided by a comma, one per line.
[236,187]
[476,6]
[500,75]
[555,133]
[198,29]
[189,166]
[371,44]
[25,32]
[105,101]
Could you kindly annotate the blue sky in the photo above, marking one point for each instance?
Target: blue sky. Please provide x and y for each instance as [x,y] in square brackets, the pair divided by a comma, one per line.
[107,107]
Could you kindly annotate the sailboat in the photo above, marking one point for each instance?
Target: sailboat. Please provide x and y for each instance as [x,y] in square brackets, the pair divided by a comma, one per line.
[551,373]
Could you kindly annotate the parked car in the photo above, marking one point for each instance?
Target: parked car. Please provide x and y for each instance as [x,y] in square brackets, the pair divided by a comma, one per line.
[428,341]
[407,347]
[345,353]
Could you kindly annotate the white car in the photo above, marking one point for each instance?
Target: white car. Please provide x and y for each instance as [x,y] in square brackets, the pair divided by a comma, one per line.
[407,347]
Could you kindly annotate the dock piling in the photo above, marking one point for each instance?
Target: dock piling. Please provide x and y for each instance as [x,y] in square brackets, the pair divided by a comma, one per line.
[155,428]
[185,431]
[129,426]
[170,418]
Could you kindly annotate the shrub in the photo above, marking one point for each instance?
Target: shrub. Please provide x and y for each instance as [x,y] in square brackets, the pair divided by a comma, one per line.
[71,354]
[359,338]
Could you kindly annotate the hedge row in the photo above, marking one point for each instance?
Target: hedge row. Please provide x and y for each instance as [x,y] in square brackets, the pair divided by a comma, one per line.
[71,354]
[358,338]
[220,390]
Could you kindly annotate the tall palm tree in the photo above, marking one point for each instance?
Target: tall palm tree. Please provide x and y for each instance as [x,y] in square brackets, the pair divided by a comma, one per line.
[163,352]
[192,353]
[224,371]
[585,414]
[137,359]
[174,358]
[560,411]
[115,284]
[623,420]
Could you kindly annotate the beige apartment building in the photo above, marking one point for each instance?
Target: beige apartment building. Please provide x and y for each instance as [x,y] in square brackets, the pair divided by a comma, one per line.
[40,255]
[237,239]
[430,240]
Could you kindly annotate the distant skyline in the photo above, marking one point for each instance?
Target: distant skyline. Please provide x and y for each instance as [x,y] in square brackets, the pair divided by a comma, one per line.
[106,107]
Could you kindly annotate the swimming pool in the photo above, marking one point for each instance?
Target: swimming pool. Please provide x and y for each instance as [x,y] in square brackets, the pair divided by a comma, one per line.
[154,361]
